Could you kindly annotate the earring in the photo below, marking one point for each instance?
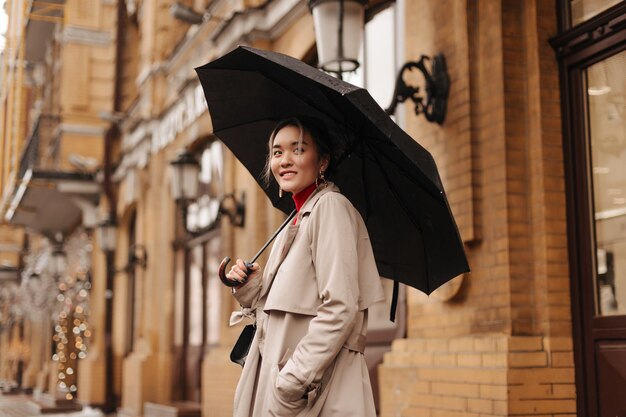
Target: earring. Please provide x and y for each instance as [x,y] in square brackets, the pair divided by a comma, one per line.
[320,179]
[280,193]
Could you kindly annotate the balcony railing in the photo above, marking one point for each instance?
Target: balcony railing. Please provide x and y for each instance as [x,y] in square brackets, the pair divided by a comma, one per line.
[30,155]
[41,137]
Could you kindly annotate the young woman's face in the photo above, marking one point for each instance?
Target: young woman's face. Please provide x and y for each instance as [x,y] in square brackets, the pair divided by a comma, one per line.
[295,165]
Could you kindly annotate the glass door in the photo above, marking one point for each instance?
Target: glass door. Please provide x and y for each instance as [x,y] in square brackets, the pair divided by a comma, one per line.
[591,52]
[605,90]
[606,85]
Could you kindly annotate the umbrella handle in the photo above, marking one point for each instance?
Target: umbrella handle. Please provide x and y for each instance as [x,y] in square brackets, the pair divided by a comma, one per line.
[224,264]
[222,273]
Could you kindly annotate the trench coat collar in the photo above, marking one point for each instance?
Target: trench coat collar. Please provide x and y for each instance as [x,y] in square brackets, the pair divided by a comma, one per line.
[314,198]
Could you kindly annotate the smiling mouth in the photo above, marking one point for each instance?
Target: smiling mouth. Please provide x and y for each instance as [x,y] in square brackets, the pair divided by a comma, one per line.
[287,174]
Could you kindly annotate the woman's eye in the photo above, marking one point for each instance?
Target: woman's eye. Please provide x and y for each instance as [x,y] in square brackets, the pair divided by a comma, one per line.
[298,151]
[276,153]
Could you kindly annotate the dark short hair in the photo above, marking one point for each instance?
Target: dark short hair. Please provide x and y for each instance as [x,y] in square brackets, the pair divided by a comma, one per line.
[318,132]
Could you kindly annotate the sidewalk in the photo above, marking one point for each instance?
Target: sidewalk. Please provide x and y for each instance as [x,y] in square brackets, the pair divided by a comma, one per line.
[18,406]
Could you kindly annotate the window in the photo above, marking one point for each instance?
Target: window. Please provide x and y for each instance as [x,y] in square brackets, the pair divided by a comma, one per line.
[378,69]
[606,93]
[582,10]
[204,211]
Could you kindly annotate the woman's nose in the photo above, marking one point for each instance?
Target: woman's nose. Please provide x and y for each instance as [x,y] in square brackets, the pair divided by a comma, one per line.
[285,161]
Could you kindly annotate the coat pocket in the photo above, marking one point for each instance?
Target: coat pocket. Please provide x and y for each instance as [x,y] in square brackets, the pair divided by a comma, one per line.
[287,389]
[284,399]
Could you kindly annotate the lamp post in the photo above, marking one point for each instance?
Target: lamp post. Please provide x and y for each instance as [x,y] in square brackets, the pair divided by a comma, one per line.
[106,234]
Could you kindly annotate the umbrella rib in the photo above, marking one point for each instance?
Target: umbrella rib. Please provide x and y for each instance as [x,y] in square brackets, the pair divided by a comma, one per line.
[409,175]
[405,209]
[404,171]
[247,122]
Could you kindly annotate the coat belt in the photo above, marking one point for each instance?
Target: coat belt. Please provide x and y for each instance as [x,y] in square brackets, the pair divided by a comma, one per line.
[355,343]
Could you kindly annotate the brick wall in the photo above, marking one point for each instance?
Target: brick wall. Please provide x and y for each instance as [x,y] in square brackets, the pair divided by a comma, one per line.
[490,375]
[502,346]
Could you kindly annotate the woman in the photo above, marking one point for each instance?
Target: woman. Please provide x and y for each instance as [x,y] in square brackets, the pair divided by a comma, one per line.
[311,302]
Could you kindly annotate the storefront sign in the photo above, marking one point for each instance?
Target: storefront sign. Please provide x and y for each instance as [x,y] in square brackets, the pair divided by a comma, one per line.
[151,137]
[181,115]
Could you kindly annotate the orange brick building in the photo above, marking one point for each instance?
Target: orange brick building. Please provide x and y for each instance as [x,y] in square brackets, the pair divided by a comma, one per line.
[531,153]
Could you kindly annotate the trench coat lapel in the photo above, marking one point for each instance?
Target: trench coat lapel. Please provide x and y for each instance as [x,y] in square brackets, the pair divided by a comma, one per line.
[286,242]
[289,236]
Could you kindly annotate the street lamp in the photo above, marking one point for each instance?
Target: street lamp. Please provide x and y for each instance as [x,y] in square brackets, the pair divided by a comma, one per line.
[185,185]
[107,235]
[338,32]
[185,182]
[185,170]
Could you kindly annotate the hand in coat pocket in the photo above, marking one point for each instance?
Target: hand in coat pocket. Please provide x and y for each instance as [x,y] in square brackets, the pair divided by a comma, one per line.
[285,398]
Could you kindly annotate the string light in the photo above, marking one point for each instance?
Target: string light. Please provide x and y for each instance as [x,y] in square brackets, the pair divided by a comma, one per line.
[72,327]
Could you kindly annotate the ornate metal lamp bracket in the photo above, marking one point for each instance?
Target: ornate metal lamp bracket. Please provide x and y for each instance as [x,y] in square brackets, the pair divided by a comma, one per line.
[237,212]
[433,106]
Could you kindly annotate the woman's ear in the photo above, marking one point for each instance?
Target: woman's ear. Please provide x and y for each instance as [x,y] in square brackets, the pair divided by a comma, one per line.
[325,161]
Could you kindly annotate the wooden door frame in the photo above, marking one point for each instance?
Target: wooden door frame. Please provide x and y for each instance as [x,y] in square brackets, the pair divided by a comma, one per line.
[577,49]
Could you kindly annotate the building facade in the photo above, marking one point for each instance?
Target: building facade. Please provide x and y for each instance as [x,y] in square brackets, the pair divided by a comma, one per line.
[530,154]
[58,72]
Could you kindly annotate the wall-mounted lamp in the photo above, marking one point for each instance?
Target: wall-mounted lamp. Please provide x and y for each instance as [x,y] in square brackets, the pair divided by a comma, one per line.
[107,235]
[338,33]
[189,15]
[236,211]
[185,184]
[185,170]
[137,254]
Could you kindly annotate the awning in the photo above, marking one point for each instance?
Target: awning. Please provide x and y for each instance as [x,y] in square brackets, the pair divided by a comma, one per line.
[49,202]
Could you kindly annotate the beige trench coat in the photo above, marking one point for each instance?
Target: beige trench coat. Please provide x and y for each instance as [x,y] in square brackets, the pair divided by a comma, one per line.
[307,355]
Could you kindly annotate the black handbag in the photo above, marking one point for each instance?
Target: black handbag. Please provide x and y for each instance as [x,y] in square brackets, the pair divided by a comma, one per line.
[242,345]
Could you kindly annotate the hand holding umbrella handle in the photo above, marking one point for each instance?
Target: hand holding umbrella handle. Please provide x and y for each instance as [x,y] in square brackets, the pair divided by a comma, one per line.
[229,282]
[224,264]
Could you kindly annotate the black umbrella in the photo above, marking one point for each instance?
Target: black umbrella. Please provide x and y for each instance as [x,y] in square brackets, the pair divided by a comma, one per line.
[390,178]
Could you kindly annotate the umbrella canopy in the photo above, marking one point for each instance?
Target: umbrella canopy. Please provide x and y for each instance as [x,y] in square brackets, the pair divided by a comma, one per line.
[389,177]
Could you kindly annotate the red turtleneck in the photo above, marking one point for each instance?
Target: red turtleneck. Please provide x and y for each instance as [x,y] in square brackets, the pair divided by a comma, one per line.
[300,198]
